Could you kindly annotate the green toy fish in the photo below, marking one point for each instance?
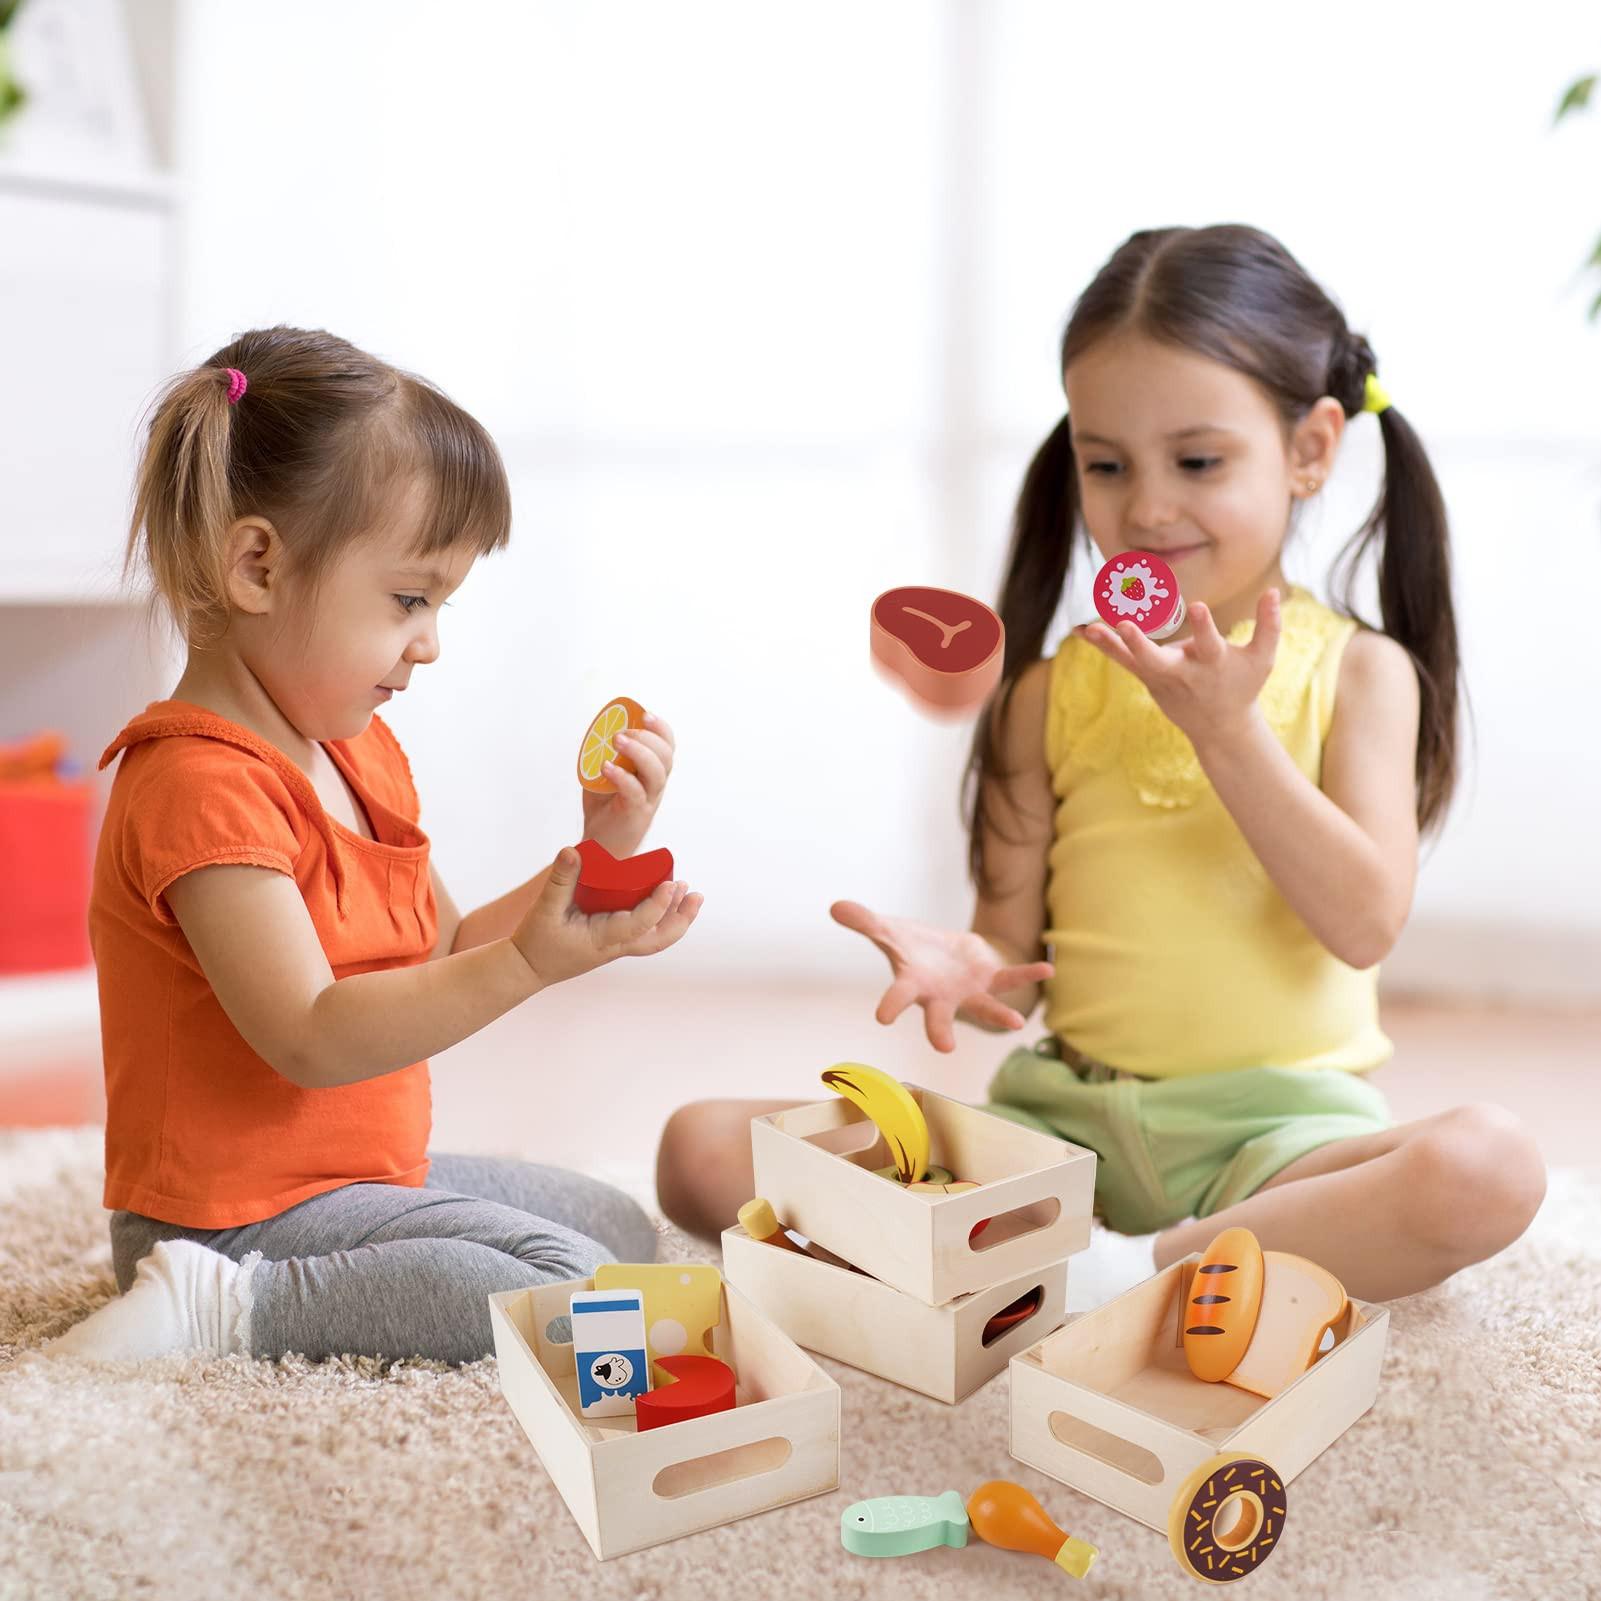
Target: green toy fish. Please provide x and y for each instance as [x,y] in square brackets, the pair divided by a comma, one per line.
[898,1525]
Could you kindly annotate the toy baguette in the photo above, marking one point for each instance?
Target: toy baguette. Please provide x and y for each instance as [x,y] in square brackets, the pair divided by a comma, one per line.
[1225,1298]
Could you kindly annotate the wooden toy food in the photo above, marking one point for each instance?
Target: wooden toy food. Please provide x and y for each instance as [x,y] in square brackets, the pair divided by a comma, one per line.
[683,1302]
[615,717]
[944,648]
[898,1525]
[1256,1318]
[699,1385]
[934,1177]
[1225,1295]
[758,1220]
[1301,1302]
[893,1108]
[607,883]
[609,1349]
[1005,1514]
[1013,1313]
[1139,587]
[1226,1518]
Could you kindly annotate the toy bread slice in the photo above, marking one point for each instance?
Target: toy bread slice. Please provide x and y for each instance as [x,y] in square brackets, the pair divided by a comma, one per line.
[1221,1313]
[1300,1300]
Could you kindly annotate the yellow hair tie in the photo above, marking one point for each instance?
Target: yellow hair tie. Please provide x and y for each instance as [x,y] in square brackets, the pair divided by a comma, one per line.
[1373,396]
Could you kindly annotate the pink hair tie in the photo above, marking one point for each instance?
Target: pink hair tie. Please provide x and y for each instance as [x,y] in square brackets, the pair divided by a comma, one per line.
[236,384]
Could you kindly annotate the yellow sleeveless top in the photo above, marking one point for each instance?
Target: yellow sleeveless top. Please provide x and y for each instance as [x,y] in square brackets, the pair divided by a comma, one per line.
[1175,952]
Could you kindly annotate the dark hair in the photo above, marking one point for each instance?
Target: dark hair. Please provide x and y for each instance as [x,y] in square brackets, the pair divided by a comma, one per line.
[318,443]
[1235,294]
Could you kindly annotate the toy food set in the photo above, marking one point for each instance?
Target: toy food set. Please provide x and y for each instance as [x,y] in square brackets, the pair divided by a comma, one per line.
[618,716]
[1256,1318]
[46,857]
[607,883]
[1139,587]
[736,1419]
[819,1165]
[1000,1513]
[1192,1400]
[866,1311]
[944,649]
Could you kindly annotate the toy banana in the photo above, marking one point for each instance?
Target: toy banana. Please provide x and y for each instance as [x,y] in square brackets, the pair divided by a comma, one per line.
[892,1107]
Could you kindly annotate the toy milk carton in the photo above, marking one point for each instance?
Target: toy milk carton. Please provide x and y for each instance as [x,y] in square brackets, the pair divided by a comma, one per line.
[609,1350]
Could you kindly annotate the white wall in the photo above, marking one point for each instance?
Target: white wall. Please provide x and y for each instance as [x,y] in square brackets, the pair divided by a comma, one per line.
[763,307]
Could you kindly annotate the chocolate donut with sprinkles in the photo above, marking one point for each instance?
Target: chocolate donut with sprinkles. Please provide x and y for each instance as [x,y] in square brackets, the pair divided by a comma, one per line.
[1227,1518]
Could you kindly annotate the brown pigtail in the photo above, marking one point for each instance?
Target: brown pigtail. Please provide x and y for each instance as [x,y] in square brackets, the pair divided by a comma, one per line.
[1036,574]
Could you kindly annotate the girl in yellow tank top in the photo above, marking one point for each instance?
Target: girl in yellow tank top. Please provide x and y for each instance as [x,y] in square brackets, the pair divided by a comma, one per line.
[1198,851]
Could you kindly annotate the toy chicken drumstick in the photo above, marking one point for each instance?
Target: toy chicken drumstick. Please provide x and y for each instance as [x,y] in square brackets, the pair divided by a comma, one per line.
[1005,1514]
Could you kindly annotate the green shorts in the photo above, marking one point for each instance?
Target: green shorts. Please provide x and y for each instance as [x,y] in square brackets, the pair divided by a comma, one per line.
[1182,1147]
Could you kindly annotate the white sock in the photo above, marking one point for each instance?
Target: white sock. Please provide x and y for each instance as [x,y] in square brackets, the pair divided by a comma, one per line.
[184,1297]
[1113,1263]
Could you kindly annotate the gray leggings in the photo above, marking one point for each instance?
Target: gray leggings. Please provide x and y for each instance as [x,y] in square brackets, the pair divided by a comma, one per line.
[395,1271]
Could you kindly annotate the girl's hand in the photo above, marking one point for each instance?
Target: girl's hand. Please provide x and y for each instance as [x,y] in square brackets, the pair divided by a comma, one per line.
[619,821]
[947,973]
[559,942]
[1205,685]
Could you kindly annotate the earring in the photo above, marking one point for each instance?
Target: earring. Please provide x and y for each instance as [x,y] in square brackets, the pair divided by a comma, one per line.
[1312,485]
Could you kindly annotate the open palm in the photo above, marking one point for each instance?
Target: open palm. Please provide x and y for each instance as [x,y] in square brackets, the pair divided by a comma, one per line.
[946,972]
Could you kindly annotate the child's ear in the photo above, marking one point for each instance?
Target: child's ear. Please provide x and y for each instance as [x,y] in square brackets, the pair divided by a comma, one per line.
[1314,443]
[255,564]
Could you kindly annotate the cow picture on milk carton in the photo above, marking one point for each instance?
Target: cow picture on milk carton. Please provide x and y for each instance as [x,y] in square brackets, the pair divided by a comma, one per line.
[609,1350]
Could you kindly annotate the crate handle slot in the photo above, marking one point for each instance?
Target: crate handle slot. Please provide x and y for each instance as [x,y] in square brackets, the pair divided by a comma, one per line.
[721,1467]
[1005,1227]
[1115,1452]
[1034,1299]
[853,1140]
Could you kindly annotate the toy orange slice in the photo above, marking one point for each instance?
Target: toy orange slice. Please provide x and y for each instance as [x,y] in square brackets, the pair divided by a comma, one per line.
[1225,1296]
[598,748]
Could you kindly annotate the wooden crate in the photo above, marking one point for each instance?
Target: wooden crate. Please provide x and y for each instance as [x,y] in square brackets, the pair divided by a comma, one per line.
[1109,1405]
[627,1490]
[815,1164]
[854,1318]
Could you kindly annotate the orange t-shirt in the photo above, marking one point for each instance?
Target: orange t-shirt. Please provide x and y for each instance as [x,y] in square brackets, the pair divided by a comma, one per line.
[200,1131]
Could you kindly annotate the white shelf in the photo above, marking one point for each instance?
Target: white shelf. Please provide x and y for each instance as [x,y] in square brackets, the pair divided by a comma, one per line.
[129,186]
[36,1004]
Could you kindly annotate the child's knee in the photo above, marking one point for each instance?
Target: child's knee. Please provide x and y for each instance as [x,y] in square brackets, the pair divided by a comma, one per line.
[696,1143]
[1477,1177]
[688,1136]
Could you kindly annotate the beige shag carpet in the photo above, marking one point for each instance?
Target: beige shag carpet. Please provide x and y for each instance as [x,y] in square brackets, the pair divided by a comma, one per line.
[1477,1473]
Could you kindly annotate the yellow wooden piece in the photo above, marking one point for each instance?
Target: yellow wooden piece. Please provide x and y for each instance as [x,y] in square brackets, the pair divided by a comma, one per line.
[892,1107]
[1300,1303]
[683,1303]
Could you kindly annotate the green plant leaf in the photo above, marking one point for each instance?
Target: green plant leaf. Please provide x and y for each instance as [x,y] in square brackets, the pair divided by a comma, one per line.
[1595,308]
[1577,97]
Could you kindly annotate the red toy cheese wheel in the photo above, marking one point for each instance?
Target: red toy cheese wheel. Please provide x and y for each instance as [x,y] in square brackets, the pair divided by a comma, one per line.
[1139,588]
